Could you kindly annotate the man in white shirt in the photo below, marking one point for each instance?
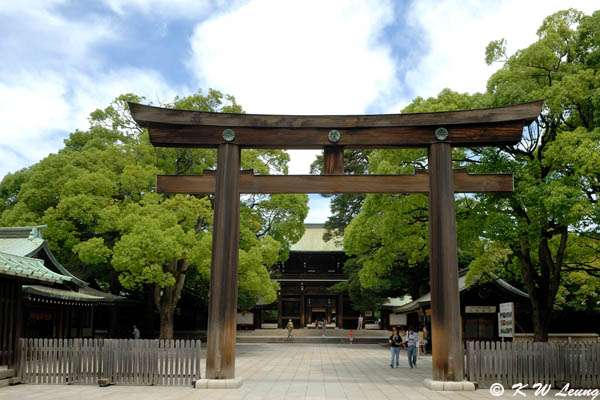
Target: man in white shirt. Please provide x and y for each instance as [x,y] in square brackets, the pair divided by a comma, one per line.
[412,340]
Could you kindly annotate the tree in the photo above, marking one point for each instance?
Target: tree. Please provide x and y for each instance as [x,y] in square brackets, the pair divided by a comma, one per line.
[546,233]
[389,236]
[105,222]
[160,240]
[556,166]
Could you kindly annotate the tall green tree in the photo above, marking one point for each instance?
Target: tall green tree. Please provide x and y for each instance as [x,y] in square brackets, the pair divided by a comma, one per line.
[545,235]
[106,223]
[556,165]
[389,236]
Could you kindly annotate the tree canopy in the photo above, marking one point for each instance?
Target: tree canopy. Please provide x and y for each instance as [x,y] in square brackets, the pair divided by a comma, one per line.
[107,224]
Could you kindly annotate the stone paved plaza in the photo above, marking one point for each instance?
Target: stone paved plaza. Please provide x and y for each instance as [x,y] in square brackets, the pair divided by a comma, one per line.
[283,371]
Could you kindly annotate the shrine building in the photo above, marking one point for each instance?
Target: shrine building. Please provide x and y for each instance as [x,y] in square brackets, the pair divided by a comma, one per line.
[305,279]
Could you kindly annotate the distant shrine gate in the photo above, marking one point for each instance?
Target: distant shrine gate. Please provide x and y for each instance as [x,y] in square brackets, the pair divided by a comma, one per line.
[229,133]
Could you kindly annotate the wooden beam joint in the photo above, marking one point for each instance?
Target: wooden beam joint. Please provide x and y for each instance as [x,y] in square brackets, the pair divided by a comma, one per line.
[333,160]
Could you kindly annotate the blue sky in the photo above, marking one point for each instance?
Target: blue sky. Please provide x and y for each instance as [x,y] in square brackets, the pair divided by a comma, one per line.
[62,59]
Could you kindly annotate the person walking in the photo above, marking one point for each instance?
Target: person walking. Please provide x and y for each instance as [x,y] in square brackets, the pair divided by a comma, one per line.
[412,341]
[136,332]
[395,342]
[290,329]
[360,322]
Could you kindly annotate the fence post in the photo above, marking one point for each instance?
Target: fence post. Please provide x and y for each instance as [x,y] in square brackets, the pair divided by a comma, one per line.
[22,357]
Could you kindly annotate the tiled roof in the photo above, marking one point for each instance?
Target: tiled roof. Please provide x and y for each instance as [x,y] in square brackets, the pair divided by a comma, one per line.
[32,268]
[19,246]
[83,295]
[312,240]
[64,294]
[397,301]
[20,232]
[105,296]
[26,241]
[462,286]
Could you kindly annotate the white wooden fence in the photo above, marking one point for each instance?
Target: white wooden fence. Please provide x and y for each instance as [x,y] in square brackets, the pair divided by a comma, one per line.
[509,363]
[121,361]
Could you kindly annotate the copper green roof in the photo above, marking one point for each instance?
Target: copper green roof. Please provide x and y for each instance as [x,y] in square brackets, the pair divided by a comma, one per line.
[462,286]
[64,294]
[397,301]
[26,241]
[20,241]
[87,295]
[31,268]
[312,240]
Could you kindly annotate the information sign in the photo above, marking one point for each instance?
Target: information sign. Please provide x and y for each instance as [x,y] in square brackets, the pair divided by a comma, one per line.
[506,321]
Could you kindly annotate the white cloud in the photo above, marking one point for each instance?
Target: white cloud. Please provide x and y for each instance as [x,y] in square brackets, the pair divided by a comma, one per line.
[170,9]
[308,57]
[39,108]
[298,58]
[458,31]
[52,77]
[36,33]
[300,161]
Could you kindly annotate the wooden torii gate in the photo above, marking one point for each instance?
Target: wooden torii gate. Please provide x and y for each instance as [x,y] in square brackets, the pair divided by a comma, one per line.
[438,131]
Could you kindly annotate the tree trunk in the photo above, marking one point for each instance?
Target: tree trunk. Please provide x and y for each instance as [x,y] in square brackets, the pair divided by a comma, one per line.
[166,298]
[540,315]
[166,323]
[542,287]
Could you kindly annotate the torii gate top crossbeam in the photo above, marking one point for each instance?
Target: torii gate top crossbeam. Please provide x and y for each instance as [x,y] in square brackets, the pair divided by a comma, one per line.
[490,126]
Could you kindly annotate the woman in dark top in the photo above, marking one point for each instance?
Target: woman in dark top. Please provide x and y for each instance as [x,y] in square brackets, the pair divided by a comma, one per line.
[395,343]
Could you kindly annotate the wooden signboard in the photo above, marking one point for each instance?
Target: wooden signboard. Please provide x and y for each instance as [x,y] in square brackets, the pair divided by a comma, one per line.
[480,309]
[245,318]
[397,319]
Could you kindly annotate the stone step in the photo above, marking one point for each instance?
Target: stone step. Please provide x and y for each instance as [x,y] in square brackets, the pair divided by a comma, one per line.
[9,381]
[7,373]
[343,333]
[310,339]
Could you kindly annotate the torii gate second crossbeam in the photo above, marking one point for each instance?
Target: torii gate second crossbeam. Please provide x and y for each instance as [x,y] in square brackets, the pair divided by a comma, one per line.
[436,131]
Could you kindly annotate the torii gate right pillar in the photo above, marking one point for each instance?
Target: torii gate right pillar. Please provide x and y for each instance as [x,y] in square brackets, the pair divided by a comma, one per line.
[447,352]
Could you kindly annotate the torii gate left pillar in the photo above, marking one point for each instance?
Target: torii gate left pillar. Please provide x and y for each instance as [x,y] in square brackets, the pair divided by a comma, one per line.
[222,312]
[447,352]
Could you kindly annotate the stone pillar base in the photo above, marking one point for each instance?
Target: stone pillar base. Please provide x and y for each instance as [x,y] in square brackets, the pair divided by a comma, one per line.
[448,385]
[235,383]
